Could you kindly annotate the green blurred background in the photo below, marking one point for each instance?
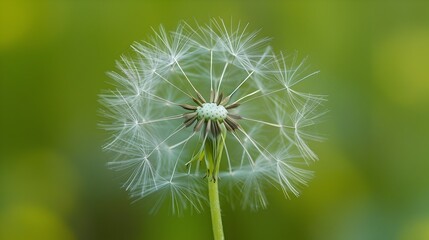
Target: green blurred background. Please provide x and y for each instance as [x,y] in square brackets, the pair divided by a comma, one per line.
[372,181]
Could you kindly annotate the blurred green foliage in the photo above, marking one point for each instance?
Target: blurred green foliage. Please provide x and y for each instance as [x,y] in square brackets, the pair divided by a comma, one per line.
[372,181]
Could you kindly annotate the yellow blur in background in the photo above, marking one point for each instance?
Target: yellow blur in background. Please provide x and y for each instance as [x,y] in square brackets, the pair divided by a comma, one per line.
[372,181]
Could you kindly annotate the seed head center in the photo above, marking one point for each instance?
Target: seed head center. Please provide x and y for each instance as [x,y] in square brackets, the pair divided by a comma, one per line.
[212,111]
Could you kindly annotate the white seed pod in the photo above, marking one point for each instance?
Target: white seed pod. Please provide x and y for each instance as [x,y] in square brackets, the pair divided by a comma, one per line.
[181,88]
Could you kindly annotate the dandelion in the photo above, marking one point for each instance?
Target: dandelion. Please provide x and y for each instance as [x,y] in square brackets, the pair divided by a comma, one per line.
[213,102]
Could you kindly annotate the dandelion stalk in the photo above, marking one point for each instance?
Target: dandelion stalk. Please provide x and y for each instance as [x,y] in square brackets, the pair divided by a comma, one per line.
[215,210]
[213,161]
[187,100]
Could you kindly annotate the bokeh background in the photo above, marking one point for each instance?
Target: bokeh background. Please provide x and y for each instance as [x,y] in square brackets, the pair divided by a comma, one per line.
[372,181]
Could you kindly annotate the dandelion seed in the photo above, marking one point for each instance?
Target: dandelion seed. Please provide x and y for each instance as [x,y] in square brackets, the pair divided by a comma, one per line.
[212,101]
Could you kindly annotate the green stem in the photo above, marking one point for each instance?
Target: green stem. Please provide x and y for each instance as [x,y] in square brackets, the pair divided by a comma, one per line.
[213,153]
[215,209]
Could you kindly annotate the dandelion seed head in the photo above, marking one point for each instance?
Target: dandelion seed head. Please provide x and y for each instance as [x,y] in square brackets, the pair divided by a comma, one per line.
[216,82]
[211,111]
